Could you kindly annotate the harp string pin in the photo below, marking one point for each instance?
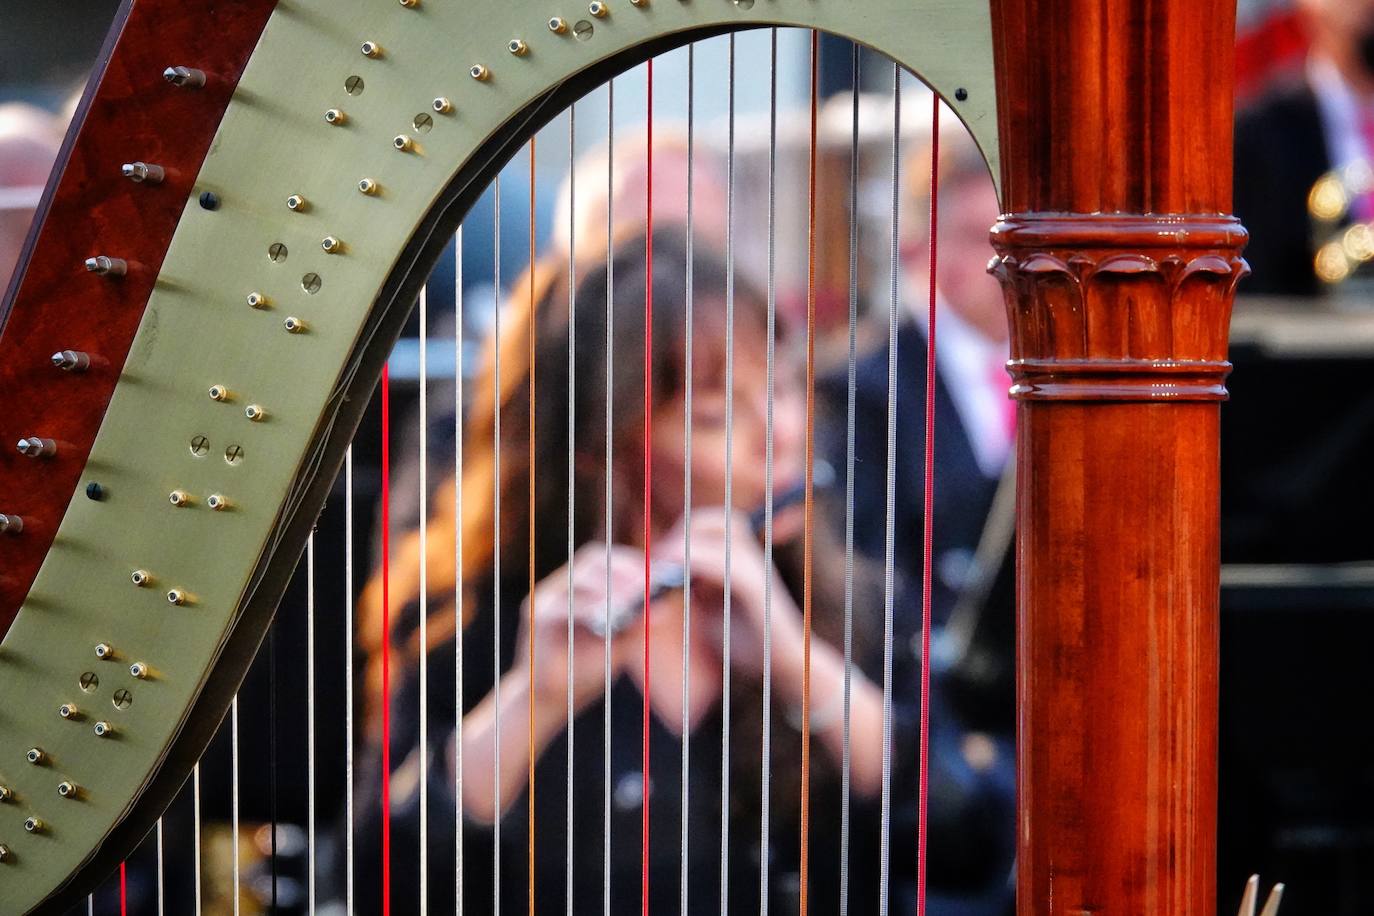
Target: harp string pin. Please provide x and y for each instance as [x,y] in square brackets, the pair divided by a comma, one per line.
[254,412]
[68,711]
[179,498]
[443,105]
[102,729]
[217,502]
[35,756]
[479,72]
[176,596]
[67,789]
[143,172]
[33,824]
[71,360]
[331,245]
[11,524]
[141,577]
[294,325]
[336,117]
[558,25]
[371,49]
[6,793]
[403,143]
[104,651]
[37,447]
[186,77]
[4,853]
[598,9]
[138,670]
[105,266]
[518,47]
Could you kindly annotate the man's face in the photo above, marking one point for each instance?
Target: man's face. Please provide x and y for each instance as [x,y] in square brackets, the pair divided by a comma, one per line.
[968,208]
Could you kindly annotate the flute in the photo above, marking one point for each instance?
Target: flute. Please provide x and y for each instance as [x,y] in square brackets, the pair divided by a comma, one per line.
[666,578]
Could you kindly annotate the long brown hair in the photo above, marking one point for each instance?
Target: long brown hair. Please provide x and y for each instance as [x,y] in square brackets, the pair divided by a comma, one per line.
[625,277]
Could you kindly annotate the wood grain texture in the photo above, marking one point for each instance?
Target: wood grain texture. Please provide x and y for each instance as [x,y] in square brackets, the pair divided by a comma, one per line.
[1119,264]
[129,113]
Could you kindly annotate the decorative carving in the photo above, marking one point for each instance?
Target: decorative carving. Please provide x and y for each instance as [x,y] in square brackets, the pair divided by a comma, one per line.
[1118,307]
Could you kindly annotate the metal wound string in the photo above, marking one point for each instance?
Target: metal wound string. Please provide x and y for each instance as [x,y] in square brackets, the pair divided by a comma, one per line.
[767,732]
[309,726]
[572,483]
[729,480]
[424,600]
[683,888]
[606,642]
[458,568]
[348,679]
[533,330]
[648,468]
[386,640]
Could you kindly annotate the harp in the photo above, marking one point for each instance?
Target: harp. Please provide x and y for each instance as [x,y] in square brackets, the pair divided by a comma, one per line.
[285,197]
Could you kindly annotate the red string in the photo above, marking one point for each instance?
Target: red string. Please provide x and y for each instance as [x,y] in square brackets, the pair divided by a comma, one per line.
[929,520]
[123,891]
[648,471]
[386,641]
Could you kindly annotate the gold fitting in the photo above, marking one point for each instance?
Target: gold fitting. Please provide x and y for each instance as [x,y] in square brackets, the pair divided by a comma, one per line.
[179,498]
[369,187]
[335,116]
[371,49]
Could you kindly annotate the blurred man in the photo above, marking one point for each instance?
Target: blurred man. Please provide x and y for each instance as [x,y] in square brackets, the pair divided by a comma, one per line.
[29,140]
[974,428]
[1297,132]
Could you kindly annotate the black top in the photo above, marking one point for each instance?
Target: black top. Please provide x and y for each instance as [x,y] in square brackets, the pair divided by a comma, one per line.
[966,816]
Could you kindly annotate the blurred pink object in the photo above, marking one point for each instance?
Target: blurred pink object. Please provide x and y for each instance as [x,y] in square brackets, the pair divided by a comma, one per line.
[29,141]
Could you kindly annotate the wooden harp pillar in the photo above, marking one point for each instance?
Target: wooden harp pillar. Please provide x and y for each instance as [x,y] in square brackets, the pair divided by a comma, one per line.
[1119,262]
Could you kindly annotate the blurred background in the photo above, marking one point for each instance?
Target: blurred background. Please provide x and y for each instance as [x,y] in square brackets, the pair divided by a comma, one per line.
[1297,760]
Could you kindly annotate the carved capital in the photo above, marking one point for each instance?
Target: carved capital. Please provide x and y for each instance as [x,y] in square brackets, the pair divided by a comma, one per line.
[1118,307]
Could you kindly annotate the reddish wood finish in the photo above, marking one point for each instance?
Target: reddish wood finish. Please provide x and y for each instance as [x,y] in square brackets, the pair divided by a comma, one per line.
[1119,267]
[130,114]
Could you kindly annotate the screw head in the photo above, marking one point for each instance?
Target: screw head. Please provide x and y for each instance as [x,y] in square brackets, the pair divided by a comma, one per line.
[371,49]
[66,789]
[138,670]
[961,94]
[403,143]
[141,578]
[102,729]
[311,283]
[368,186]
[35,755]
[104,650]
[209,201]
[95,492]
[11,524]
[335,116]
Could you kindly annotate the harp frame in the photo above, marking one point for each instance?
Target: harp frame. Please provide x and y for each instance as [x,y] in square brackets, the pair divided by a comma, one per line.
[1117,255]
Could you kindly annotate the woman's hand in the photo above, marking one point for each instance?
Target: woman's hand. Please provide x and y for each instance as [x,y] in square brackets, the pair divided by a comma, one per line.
[546,615]
[751,578]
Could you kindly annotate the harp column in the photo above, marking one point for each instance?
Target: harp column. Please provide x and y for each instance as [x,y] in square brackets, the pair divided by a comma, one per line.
[1119,263]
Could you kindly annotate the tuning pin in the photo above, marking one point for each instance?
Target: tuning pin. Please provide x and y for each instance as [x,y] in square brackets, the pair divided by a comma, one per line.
[67,789]
[331,245]
[107,266]
[68,711]
[71,360]
[37,447]
[371,49]
[11,524]
[336,117]
[403,143]
[104,651]
[294,325]
[138,670]
[102,729]
[35,756]
[33,824]
[518,47]
[6,793]
[442,105]
[184,76]
[143,172]
[179,498]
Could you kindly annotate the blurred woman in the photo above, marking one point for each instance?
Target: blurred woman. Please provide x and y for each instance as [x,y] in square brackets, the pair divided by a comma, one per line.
[604,577]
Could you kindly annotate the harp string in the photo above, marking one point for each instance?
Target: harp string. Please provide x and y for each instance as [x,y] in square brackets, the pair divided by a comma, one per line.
[847,749]
[309,736]
[161,888]
[648,466]
[234,796]
[606,641]
[928,535]
[496,542]
[729,478]
[272,751]
[889,552]
[458,571]
[533,324]
[123,889]
[386,640]
[808,535]
[572,424]
[683,887]
[424,600]
[348,679]
[195,845]
[772,307]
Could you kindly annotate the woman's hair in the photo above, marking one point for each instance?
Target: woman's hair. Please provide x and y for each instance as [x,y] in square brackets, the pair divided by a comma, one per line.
[548,300]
